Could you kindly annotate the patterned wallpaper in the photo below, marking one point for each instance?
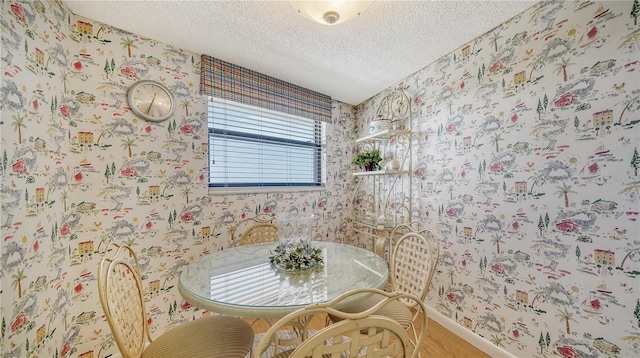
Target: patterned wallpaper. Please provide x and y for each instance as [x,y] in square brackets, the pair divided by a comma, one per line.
[526,164]
[80,171]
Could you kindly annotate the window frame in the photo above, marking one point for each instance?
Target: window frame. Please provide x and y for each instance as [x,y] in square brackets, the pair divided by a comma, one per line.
[318,146]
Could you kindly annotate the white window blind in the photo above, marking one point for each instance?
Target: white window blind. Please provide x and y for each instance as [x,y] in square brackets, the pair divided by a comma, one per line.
[252,147]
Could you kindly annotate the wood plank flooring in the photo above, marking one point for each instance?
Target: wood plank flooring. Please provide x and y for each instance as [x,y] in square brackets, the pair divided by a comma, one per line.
[440,342]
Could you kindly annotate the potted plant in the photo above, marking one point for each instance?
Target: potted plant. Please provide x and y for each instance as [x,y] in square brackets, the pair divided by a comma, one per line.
[367,160]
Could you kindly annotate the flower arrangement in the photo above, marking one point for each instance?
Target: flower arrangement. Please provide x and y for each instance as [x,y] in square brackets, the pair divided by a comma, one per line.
[301,257]
[367,160]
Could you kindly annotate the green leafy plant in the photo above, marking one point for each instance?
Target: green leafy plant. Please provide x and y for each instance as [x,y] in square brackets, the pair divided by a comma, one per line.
[302,257]
[369,158]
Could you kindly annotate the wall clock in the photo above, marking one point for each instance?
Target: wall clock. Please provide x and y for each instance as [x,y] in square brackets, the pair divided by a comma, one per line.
[151,101]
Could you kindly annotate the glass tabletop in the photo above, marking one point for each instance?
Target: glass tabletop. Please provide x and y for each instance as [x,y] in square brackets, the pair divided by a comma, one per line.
[240,281]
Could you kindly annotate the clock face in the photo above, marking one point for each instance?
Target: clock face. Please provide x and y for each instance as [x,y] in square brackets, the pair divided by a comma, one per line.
[151,101]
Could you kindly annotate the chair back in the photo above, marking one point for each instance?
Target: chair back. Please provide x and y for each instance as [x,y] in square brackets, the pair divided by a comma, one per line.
[414,226]
[383,245]
[122,298]
[260,228]
[413,263]
[374,336]
[357,334]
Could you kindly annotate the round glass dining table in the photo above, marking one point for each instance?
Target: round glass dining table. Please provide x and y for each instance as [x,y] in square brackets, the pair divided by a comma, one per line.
[241,281]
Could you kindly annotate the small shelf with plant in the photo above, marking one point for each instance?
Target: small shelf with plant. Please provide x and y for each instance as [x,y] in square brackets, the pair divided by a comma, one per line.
[367,160]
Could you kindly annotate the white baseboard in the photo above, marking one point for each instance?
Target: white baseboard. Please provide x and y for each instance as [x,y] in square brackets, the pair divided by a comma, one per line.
[468,335]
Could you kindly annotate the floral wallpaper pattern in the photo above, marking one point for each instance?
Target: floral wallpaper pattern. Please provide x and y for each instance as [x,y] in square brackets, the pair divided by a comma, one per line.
[526,163]
[79,170]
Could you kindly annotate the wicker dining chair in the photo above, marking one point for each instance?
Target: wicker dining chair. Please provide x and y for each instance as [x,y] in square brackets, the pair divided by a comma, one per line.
[383,245]
[413,265]
[356,334]
[122,298]
[260,228]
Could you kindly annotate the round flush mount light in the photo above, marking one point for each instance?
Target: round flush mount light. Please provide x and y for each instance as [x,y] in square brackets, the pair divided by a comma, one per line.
[330,12]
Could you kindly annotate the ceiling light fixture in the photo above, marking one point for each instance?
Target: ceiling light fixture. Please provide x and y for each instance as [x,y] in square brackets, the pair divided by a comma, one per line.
[330,12]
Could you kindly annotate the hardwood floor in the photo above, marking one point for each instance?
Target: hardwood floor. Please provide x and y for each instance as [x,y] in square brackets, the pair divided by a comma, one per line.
[440,342]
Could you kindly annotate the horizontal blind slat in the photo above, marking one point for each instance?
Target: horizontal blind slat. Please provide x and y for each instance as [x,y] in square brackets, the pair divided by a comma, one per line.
[254,146]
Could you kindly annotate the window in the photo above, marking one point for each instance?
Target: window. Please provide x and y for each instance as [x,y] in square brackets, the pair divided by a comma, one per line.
[251,146]
[263,132]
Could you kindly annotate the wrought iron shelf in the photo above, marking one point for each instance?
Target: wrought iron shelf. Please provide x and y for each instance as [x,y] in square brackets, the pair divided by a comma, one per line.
[381,172]
[383,198]
[383,135]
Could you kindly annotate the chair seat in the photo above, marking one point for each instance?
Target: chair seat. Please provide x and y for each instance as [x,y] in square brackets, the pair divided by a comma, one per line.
[227,337]
[395,310]
[284,354]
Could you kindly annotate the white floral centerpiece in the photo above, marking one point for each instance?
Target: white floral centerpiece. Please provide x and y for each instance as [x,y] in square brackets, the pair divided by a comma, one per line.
[295,251]
[302,257]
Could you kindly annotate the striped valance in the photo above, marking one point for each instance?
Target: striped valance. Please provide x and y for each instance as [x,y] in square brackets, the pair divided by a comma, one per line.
[231,82]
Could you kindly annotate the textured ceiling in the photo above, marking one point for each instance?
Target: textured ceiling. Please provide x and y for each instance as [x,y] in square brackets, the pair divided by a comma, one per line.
[350,62]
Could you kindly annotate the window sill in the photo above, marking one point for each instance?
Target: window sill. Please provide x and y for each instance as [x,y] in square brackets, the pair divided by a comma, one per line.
[260,190]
